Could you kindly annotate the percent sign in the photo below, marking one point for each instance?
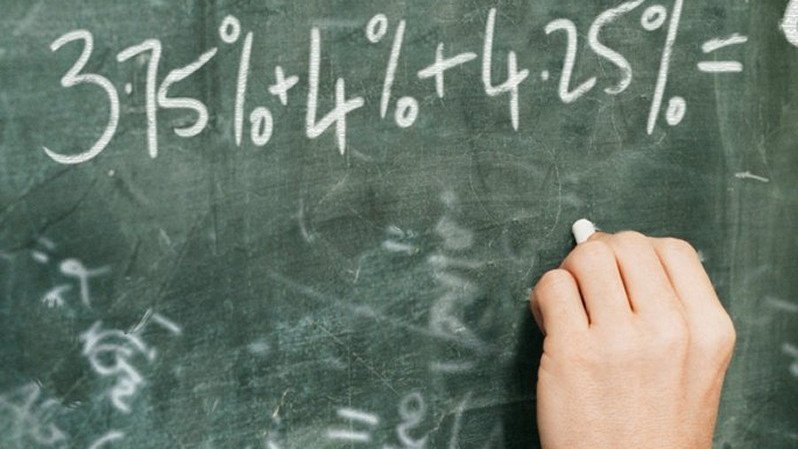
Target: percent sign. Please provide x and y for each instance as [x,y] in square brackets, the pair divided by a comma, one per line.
[261,119]
[406,107]
[652,19]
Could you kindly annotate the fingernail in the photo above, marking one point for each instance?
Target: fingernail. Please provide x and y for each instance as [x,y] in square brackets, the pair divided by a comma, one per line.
[582,230]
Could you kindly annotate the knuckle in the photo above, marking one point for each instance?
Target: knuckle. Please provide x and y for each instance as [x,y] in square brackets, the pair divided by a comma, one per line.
[678,247]
[631,237]
[588,253]
[553,280]
[672,335]
[719,339]
[729,335]
[716,342]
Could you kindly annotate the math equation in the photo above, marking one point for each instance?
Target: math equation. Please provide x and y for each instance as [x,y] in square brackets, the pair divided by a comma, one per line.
[259,120]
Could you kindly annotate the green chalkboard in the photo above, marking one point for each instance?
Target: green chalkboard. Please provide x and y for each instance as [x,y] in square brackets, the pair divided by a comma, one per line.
[237,224]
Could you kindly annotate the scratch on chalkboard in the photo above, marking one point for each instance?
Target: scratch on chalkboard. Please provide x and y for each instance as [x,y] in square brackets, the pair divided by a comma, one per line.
[368,312]
[307,236]
[29,191]
[183,250]
[357,358]
[57,219]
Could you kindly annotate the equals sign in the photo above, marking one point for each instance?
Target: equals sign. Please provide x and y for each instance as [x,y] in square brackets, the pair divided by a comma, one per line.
[353,435]
[721,66]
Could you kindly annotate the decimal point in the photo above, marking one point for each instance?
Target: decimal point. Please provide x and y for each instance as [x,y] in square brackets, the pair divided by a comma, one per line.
[544,75]
[128,88]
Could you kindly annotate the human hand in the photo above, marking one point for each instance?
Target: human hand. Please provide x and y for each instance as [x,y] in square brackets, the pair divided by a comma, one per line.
[636,347]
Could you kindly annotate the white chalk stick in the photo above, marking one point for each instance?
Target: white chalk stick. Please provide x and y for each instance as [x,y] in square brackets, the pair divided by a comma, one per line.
[583,229]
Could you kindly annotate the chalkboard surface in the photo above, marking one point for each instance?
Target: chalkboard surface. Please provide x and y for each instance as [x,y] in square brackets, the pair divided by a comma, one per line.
[314,224]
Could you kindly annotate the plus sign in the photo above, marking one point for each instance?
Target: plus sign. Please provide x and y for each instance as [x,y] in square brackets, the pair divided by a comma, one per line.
[282,85]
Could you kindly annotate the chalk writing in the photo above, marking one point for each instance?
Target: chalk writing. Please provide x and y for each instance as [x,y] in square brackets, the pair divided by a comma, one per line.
[399,241]
[343,106]
[105,440]
[73,77]
[365,419]
[457,291]
[55,296]
[412,413]
[792,351]
[70,268]
[406,108]
[412,410]
[721,66]
[100,345]
[27,420]
[111,353]
[749,175]
[74,268]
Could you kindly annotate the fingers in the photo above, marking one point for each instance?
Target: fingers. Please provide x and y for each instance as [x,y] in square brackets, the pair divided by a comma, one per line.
[647,286]
[595,269]
[556,304]
[611,278]
[686,273]
[711,327]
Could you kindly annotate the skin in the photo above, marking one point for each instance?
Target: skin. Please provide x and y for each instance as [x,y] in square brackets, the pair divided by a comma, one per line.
[636,346]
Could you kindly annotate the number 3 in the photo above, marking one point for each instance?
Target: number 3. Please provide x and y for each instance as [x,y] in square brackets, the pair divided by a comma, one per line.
[72,78]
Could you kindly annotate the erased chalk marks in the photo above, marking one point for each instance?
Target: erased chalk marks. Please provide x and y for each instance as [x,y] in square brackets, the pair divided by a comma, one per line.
[412,411]
[452,367]
[781,305]
[454,236]
[397,247]
[167,324]
[26,23]
[367,312]
[104,442]
[259,347]
[791,351]
[111,354]
[70,268]
[307,235]
[400,241]
[101,346]
[454,439]
[27,419]
[749,175]
[55,296]
[361,418]
[74,268]
[457,291]
[42,256]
